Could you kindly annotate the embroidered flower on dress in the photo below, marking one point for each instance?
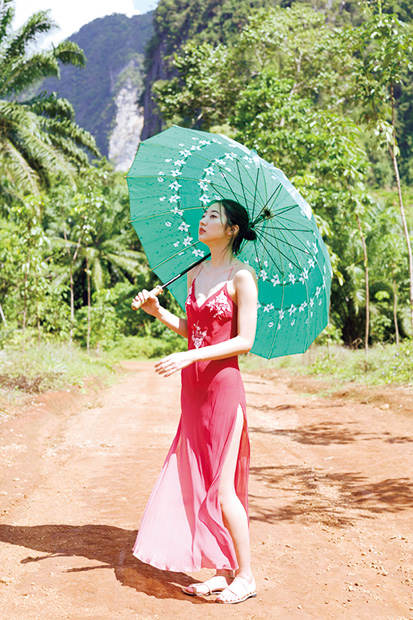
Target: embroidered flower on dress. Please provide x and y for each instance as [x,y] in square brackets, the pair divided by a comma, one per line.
[219,305]
[198,336]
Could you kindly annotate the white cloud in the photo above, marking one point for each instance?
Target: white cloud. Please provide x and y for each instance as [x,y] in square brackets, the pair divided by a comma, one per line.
[71,16]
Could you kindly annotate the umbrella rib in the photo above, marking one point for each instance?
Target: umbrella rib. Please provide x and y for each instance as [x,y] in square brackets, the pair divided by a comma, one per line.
[217,187]
[285,240]
[285,227]
[151,217]
[280,252]
[230,188]
[296,257]
[288,229]
[255,190]
[257,255]
[278,322]
[292,230]
[172,256]
[277,190]
[242,184]
[183,178]
[224,174]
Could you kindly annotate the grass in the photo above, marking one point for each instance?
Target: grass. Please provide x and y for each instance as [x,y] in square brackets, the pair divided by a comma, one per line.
[386,364]
[56,366]
[49,366]
[146,347]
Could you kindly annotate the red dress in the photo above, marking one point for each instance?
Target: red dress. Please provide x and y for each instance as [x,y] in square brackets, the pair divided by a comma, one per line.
[182,528]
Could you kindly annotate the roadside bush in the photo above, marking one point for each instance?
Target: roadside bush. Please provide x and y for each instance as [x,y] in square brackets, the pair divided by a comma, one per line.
[49,366]
[147,347]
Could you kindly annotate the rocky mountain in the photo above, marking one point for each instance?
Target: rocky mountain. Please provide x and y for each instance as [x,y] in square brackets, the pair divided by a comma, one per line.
[106,93]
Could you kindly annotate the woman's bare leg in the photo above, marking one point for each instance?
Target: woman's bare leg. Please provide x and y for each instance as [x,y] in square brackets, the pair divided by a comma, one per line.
[234,516]
[233,512]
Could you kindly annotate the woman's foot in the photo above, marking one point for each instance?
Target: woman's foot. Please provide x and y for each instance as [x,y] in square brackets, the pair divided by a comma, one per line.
[217,583]
[241,589]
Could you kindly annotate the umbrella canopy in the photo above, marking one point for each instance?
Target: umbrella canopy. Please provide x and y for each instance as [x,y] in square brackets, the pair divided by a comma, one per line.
[177,173]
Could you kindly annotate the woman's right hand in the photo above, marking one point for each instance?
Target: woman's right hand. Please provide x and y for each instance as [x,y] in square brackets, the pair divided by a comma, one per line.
[149,302]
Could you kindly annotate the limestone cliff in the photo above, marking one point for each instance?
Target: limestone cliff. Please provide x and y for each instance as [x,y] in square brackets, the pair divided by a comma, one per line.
[113,77]
[127,129]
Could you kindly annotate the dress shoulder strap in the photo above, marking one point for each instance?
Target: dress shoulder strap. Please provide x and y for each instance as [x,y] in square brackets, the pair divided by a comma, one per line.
[195,277]
[230,273]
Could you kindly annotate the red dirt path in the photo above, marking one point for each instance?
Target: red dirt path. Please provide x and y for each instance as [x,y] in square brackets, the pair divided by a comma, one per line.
[331,501]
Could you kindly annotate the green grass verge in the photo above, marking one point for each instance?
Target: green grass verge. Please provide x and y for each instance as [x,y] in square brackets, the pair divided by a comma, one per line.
[386,364]
[50,366]
[146,347]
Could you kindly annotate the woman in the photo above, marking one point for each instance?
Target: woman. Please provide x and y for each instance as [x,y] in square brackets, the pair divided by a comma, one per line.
[197,516]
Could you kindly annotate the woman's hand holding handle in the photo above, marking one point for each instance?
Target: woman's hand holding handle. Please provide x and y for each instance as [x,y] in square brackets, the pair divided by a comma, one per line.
[147,300]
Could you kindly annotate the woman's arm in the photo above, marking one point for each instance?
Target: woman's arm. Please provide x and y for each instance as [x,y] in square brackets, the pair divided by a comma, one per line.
[151,305]
[247,297]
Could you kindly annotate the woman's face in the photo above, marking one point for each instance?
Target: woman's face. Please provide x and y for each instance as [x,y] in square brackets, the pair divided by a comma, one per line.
[213,224]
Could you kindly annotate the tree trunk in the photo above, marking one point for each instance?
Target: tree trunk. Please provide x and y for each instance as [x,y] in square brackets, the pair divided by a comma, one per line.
[88,303]
[38,325]
[366,271]
[25,298]
[396,325]
[2,316]
[72,305]
[402,212]
[72,293]
[407,237]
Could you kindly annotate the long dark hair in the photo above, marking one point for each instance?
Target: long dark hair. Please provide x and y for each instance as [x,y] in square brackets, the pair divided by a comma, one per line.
[237,215]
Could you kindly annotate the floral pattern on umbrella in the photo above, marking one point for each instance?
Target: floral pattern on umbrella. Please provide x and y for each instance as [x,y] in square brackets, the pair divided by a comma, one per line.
[177,173]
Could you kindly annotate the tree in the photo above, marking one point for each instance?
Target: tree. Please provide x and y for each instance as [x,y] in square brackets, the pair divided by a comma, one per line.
[295,44]
[39,138]
[320,152]
[383,47]
[89,229]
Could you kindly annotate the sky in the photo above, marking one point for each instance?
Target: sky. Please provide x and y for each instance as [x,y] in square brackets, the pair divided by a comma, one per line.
[71,16]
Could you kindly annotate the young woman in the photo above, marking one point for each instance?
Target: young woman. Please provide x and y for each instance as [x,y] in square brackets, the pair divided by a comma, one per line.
[197,515]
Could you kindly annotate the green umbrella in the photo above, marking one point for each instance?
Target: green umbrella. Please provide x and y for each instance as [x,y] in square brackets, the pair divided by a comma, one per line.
[177,173]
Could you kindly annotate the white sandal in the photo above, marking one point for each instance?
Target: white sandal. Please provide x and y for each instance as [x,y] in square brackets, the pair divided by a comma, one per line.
[216,584]
[240,588]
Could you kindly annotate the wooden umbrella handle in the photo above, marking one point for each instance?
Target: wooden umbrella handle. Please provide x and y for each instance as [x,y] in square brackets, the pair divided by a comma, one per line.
[155,291]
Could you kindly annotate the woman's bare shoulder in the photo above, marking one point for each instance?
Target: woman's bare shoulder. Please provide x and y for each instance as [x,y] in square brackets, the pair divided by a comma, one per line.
[245,273]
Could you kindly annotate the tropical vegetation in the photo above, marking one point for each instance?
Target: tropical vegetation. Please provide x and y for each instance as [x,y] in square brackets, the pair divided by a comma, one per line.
[322,91]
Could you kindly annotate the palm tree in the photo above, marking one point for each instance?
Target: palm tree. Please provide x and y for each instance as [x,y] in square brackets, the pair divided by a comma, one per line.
[39,138]
[89,229]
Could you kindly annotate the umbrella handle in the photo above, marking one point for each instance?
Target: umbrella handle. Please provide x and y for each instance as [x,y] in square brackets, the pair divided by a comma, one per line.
[155,291]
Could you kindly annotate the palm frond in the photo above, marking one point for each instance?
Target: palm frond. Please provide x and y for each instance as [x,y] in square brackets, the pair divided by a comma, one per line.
[19,73]
[69,53]
[6,17]
[131,267]
[38,23]
[70,131]
[97,274]
[69,150]
[49,105]
[41,155]
[22,173]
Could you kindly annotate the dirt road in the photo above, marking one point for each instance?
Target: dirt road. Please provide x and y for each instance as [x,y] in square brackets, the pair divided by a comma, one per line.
[331,499]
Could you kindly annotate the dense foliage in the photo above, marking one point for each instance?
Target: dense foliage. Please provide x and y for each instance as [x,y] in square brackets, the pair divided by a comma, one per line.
[322,93]
[39,139]
[325,100]
[70,261]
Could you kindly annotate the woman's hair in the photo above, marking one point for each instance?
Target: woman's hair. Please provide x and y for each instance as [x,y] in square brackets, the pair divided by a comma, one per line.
[237,215]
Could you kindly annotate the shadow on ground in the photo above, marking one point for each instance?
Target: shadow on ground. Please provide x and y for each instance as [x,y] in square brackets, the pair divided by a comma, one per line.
[328,432]
[106,544]
[331,498]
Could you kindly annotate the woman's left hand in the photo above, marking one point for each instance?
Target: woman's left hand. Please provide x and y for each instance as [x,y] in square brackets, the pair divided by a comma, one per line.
[168,365]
